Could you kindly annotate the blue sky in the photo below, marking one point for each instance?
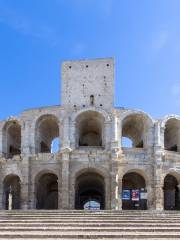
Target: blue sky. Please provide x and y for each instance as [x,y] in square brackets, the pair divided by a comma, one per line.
[142,35]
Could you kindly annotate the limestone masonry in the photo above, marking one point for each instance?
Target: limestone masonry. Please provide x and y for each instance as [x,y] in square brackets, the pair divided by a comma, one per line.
[108,158]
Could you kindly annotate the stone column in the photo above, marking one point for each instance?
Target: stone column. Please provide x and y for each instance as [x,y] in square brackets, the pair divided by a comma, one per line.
[65,191]
[1,140]
[115,200]
[24,196]
[120,192]
[150,198]
[158,164]
[66,134]
[1,195]
[178,141]
[158,187]
[116,133]
[26,144]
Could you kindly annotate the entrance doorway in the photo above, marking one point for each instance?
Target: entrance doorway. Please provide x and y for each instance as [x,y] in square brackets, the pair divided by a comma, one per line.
[134,195]
[47,192]
[12,191]
[90,191]
[171,193]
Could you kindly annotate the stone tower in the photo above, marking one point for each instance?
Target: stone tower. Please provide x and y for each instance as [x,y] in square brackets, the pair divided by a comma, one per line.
[88,83]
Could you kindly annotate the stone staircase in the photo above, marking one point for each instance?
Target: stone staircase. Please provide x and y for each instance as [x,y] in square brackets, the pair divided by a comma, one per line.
[51,224]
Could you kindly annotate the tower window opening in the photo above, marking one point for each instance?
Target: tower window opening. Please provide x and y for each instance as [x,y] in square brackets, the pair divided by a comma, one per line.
[92,99]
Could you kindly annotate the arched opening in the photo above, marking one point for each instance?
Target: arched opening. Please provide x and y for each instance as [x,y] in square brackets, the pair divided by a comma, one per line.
[55,145]
[47,191]
[90,129]
[47,131]
[171,193]
[127,142]
[90,191]
[134,195]
[11,192]
[172,135]
[135,129]
[11,139]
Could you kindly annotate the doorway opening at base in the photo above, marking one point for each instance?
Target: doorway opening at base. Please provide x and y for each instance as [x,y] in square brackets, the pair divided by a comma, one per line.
[134,194]
[171,193]
[90,192]
[47,192]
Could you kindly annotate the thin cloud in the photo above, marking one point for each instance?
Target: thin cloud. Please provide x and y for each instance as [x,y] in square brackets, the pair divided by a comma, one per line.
[104,7]
[25,26]
[79,48]
[159,41]
[175,90]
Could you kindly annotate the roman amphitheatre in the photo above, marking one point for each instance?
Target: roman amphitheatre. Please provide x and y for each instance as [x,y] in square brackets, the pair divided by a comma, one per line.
[108,164]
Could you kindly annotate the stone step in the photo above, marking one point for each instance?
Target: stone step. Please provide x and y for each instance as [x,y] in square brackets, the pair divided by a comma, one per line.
[85,222]
[92,225]
[56,212]
[89,235]
[101,238]
[87,229]
[119,225]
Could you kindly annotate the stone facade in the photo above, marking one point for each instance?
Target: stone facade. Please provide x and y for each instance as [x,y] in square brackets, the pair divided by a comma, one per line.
[92,162]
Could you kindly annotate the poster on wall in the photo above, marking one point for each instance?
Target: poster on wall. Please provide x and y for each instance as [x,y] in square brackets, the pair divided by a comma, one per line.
[144,195]
[126,195]
[135,195]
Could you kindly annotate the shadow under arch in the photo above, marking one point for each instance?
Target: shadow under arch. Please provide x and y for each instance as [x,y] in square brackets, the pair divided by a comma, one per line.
[171,133]
[135,127]
[171,191]
[89,188]
[90,129]
[11,192]
[46,131]
[46,190]
[11,138]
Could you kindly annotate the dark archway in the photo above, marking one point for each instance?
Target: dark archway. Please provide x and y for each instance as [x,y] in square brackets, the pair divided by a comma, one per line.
[171,135]
[11,192]
[135,128]
[90,188]
[90,129]
[134,192]
[47,191]
[47,130]
[171,193]
[11,139]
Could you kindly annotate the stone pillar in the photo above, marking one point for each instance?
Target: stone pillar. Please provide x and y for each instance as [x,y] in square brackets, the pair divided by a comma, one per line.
[178,141]
[120,192]
[158,185]
[115,200]
[150,197]
[26,144]
[65,191]
[158,165]
[65,140]
[159,197]
[1,140]
[24,196]
[1,195]
[72,134]
[116,133]
[106,140]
